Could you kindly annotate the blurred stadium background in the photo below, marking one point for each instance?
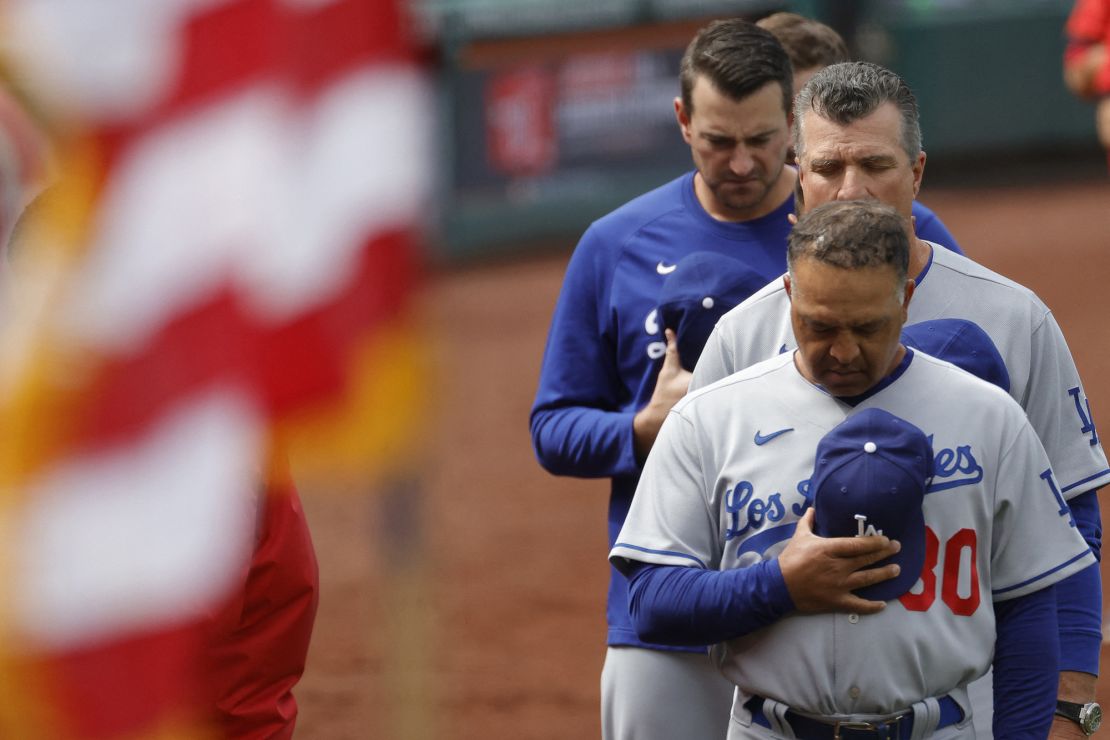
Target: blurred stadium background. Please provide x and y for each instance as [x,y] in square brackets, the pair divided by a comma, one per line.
[469,602]
[554,113]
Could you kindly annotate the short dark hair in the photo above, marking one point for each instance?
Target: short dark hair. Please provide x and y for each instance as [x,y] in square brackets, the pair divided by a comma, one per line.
[739,58]
[851,234]
[809,43]
[846,92]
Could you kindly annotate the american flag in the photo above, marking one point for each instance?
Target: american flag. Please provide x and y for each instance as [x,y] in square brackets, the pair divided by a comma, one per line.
[223,264]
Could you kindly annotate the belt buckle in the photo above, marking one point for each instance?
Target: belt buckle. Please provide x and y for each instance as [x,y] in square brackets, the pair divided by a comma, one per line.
[881,728]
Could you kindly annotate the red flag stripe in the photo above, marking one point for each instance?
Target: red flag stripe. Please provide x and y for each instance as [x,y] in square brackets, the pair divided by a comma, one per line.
[152,670]
[247,42]
[300,362]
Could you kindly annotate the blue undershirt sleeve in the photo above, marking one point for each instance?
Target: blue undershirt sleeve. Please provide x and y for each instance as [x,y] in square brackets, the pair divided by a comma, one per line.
[681,606]
[1079,597]
[584,442]
[1084,508]
[1026,658]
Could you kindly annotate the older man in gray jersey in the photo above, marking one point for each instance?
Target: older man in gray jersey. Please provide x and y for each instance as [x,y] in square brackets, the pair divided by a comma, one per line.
[855,432]
[857,136]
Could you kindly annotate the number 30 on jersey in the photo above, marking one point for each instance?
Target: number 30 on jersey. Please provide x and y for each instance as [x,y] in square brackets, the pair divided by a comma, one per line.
[960,553]
[959,577]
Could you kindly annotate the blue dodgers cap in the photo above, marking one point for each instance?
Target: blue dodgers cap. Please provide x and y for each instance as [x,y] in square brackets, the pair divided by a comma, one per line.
[961,342]
[875,465]
[703,287]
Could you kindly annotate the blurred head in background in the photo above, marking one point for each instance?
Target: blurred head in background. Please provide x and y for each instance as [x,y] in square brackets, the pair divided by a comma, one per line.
[734,109]
[810,44]
[857,136]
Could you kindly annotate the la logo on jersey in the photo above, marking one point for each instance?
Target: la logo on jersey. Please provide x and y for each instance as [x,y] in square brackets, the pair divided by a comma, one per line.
[1083,408]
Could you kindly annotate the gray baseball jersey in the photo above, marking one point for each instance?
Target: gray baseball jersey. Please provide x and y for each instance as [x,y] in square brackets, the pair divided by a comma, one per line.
[723,490]
[1043,377]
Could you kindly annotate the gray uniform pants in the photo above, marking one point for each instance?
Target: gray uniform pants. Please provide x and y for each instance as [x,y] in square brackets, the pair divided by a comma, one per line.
[657,695]
[981,693]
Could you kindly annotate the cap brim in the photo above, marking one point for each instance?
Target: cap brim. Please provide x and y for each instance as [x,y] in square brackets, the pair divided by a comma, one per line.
[911,558]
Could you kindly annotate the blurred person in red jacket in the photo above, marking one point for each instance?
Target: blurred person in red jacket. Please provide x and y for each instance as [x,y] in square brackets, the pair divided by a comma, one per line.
[259,641]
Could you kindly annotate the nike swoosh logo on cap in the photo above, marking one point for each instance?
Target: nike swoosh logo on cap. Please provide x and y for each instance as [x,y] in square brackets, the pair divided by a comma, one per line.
[762,440]
[665,269]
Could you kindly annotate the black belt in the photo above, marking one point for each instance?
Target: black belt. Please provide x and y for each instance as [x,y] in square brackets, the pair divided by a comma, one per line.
[898,728]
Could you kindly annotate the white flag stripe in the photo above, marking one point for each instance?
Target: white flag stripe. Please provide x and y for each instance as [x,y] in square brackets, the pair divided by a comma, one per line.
[362,167]
[107,60]
[144,536]
[176,214]
[245,189]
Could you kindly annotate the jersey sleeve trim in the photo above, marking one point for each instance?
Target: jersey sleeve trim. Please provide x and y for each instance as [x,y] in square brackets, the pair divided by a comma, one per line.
[1024,586]
[667,555]
[1088,479]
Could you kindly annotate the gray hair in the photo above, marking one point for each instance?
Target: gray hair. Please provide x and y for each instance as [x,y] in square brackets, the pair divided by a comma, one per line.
[846,92]
[851,234]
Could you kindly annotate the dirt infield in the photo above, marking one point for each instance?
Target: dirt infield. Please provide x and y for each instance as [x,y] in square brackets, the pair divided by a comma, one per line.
[470,604]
